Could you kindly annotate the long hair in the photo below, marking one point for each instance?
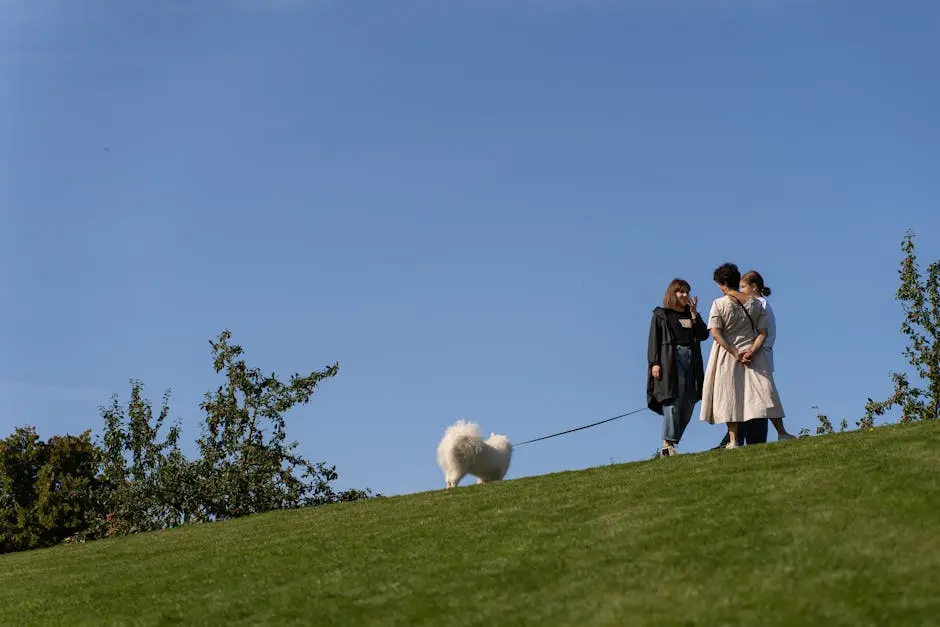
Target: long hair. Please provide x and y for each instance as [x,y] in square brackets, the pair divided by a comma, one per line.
[669,300]
[753,277]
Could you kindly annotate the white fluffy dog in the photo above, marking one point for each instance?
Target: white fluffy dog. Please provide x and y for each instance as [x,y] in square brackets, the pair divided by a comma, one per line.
[463,452]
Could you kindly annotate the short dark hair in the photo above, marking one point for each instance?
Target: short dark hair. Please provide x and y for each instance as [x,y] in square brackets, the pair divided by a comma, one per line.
[727,274]
[753,277]
[669,300]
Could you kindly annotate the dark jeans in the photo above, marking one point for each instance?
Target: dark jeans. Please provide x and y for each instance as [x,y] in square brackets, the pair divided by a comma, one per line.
[752,432]
[678,413]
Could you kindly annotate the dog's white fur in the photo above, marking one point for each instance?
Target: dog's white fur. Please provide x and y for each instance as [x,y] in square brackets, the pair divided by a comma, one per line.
[463,452]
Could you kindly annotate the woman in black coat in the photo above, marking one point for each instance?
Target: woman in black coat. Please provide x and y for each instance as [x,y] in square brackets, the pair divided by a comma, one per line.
[675,374]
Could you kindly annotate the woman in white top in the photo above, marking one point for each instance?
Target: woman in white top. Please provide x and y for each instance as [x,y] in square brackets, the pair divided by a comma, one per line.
[752,284]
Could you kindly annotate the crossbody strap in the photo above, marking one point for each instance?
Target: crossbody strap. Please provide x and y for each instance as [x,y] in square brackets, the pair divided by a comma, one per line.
[753,328]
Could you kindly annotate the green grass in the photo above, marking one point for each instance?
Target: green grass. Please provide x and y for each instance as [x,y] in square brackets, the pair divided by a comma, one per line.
[836,530]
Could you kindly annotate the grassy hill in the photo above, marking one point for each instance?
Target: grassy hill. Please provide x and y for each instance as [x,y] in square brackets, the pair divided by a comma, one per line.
[835,530]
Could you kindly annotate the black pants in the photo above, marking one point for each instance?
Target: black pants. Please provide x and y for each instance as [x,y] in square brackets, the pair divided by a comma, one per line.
[752,432]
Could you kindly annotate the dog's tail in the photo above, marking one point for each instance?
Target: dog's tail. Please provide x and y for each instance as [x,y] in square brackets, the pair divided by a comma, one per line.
[458,437]
[462,428]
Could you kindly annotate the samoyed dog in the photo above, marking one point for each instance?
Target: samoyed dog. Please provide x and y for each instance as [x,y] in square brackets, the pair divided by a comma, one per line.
[463,452]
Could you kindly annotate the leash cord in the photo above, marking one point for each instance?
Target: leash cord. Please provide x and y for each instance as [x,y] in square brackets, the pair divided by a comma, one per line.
[593,424]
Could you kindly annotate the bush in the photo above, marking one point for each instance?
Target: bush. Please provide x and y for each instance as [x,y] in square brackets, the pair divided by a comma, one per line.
[47,489]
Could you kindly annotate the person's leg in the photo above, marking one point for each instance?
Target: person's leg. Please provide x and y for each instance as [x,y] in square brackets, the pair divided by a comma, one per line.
[672,431]
[724,441]
[685,403]
[734,434]
[755,431]
[676,415]
[781,432]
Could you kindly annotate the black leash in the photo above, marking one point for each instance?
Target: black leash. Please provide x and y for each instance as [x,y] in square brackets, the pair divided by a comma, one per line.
[593,424]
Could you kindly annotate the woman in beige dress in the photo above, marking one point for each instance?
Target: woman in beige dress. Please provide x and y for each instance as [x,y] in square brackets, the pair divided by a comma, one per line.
[739,384]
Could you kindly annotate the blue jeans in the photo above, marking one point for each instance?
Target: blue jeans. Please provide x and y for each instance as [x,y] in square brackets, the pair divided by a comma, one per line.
[678,413]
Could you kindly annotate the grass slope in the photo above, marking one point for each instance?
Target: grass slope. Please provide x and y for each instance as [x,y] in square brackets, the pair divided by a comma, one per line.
[836,530]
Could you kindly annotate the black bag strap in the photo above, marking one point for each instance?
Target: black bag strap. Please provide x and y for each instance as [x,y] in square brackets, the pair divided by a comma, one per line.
[753,328]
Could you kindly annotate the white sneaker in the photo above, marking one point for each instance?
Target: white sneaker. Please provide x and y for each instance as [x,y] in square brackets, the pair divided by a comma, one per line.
[732,445]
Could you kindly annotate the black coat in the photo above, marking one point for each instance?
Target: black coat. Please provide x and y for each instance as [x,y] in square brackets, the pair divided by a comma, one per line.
[662,351]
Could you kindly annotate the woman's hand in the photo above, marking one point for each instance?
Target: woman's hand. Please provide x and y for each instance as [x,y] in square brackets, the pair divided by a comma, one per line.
[741,357]
[693,307]
[657,372]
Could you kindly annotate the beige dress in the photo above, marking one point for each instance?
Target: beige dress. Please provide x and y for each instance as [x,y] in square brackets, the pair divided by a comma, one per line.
[732,391]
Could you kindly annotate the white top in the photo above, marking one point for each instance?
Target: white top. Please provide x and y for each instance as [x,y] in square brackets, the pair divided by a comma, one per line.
[771,324]
[771,332]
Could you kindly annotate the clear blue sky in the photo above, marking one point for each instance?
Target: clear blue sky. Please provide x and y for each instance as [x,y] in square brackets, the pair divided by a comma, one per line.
[472,206]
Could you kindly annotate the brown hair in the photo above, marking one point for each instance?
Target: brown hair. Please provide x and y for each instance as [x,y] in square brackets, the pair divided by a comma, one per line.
[753,277]
[727,274]
[669,300]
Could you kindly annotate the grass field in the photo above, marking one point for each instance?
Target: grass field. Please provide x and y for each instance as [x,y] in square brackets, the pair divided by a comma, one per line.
[834,530]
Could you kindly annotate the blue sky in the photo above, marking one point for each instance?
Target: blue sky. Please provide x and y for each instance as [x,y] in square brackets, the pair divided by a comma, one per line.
[472,206]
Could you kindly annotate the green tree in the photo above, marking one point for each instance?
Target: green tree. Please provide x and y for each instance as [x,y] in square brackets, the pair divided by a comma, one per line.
[147,483]
[66,486]
[46,488]
[22,454]
[920,300]
[247,465]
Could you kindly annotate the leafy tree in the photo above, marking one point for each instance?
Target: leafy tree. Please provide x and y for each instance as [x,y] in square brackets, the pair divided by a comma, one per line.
[46,488]
[147,484]
[920,301]
[246,464]
[22,454]
[66,486]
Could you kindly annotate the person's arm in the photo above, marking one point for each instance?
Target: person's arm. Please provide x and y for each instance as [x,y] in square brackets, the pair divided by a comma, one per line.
[761,338]
[699,329]
[771,326]
[654,348]
[719,338]
[758,341]
[716,325]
